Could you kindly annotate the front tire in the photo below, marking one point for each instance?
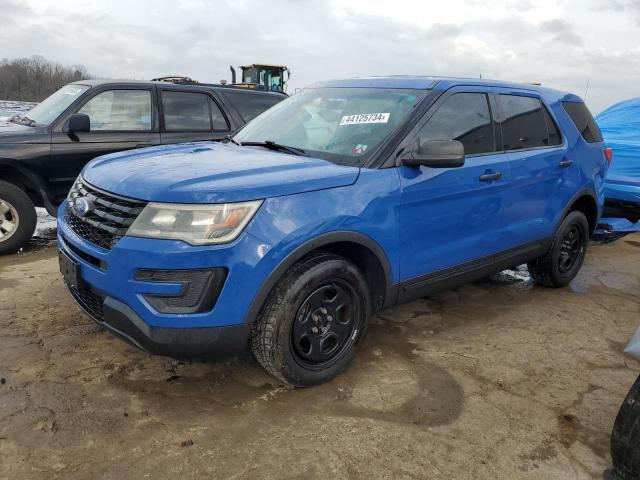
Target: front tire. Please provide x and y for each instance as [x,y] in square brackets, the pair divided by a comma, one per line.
[17,218]
[562,262]
[314,321]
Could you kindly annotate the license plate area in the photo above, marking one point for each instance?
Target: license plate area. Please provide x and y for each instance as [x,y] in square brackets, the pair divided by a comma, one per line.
[70,270]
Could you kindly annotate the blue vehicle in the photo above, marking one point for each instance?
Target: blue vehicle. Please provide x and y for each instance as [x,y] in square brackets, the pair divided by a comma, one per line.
[620,125]
[342,200]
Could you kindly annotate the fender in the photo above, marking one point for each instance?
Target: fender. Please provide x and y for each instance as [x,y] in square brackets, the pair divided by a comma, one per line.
[36,180]
[314,244]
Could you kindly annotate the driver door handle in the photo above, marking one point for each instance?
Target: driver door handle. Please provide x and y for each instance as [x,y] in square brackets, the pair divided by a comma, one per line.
[566,163]
[489,177]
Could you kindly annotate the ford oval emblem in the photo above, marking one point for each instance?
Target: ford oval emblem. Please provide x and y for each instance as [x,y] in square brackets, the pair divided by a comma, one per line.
[81,206]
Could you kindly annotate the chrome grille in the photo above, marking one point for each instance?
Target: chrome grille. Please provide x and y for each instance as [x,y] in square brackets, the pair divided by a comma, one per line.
[108,219]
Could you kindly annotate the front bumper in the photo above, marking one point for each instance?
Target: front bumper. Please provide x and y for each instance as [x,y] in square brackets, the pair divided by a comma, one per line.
[116,296]
[203,343]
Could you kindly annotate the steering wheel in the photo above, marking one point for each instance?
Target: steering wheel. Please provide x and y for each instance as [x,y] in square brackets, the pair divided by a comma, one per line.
[353,140]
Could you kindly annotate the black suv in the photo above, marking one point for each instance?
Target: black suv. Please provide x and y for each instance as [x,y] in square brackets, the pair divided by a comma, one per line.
[42,152]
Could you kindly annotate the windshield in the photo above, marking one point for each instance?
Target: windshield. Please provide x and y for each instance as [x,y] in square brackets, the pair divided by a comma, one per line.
[49,109]
[343,125]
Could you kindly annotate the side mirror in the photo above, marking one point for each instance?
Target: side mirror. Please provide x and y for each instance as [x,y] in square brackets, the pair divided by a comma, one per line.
[437,154]
[79,122]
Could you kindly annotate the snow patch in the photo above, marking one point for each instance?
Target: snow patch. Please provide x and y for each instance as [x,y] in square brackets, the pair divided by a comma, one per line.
[46,224]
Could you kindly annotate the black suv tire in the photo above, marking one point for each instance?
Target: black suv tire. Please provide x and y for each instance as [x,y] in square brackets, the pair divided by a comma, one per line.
[565,256]
[313,322]
[16,209]
[625,438]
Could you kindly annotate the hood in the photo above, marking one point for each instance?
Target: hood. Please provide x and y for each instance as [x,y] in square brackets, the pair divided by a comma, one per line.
[209,172]
[15,133]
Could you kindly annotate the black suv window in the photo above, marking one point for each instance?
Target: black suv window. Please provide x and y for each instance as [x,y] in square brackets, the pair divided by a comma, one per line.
[184,111]
[464,117]
[217,117]
[250,104]
[523,124]
[583,120]
[119,110]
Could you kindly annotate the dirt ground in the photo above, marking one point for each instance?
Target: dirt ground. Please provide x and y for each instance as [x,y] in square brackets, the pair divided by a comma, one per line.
[499,379]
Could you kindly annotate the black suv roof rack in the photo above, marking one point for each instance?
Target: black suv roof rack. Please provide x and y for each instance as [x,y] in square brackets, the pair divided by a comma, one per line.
[180,80]
[176,79]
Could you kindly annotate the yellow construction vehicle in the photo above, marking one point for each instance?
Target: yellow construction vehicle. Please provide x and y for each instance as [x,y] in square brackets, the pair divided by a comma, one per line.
[262,76]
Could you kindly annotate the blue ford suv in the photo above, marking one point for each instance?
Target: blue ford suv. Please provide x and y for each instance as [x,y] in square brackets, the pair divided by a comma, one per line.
[347,198]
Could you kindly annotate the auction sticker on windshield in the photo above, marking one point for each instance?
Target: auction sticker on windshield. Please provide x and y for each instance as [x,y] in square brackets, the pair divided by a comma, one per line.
[365,118]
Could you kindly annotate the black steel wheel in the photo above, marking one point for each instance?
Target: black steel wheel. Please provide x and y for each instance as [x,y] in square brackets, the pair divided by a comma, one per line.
[571,247]
[562,262]
[324,324]
[313,322]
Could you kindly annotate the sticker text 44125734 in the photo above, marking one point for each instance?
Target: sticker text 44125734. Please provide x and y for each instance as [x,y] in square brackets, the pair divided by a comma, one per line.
[365,118]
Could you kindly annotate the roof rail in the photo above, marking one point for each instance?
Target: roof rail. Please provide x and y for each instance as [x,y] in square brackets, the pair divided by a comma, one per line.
[176,79]
[179,80]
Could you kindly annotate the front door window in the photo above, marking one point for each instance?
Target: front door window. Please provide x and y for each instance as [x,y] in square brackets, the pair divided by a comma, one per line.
[464,117]
[120,110]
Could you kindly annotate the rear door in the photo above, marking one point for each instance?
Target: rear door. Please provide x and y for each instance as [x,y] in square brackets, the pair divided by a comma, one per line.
[543,175]
[122,117]
[451,216]
[191,115]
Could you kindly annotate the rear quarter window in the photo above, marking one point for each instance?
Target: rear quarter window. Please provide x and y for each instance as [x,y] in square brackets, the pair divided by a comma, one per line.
[583,120]
[250,104]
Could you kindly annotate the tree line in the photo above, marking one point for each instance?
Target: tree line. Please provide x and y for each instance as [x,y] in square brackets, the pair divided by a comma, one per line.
[34,79]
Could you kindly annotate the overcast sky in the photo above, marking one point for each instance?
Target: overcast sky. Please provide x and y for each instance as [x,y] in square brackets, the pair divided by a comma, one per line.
[561,43]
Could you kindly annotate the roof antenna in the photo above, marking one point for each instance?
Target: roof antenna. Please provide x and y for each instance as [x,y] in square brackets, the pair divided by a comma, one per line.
[586,90]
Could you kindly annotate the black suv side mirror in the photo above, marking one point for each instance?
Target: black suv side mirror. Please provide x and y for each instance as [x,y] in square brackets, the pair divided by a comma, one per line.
[437,154]
[79,122]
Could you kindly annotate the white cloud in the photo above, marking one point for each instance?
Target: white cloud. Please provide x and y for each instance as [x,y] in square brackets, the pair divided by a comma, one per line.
[562,43]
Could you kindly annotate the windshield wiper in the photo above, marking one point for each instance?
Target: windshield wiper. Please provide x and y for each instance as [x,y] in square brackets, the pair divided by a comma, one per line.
[271,145]
[23,119]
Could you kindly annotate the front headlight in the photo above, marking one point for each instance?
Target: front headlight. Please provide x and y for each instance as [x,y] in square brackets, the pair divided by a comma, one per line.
[194,224]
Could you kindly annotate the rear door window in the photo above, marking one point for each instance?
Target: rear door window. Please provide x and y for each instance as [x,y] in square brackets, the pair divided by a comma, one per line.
[464,117]
[523,122]
[119,110]
[583,120]
[218,119]
[186,112]
[250,104]
[552,129]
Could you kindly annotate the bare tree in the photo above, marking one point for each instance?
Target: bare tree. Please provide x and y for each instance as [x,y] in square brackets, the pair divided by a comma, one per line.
[34,79]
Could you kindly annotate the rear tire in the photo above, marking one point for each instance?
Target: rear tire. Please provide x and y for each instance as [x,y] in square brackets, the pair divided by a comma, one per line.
[565,256]
[17,218]
[313,322]
[625,438]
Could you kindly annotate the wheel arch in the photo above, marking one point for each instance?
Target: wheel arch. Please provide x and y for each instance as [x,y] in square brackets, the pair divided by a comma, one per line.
[31,183]
[356,247]
[585,202]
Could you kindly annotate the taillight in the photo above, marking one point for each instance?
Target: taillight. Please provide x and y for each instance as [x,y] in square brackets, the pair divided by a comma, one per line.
[608,154]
